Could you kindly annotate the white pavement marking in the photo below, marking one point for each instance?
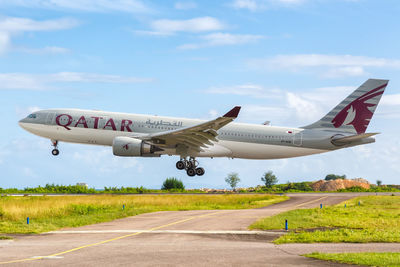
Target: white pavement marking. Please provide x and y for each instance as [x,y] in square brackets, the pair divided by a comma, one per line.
[47,257]
[165,232]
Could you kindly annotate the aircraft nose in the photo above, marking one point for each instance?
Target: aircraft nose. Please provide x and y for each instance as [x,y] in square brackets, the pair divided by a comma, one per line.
[22,123]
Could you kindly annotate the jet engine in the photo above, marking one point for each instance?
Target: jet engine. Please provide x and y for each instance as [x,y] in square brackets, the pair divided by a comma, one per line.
[132,147]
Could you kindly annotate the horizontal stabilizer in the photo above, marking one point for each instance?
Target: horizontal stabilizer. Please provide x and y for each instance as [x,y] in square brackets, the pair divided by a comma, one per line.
[352,138]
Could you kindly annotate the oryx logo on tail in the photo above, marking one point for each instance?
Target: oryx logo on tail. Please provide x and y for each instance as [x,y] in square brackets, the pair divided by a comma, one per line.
[354,113]
[358,113]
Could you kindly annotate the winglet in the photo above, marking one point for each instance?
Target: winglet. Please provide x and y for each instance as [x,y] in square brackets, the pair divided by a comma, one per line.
[233,113]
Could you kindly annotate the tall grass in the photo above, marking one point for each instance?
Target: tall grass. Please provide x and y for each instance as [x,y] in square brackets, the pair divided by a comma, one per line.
[49,213]
[363,258]
[364,219]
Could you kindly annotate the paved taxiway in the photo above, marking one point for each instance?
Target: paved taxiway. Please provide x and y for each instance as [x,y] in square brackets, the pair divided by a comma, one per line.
[195,238]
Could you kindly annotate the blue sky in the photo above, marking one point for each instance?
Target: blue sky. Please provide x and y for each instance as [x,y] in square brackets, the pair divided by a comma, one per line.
[286,61]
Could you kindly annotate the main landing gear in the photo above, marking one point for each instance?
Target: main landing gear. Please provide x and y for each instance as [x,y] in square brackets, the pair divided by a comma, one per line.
[191,166]
[55,151]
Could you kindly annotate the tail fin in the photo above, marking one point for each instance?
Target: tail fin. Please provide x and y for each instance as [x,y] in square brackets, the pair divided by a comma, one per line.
[354,113]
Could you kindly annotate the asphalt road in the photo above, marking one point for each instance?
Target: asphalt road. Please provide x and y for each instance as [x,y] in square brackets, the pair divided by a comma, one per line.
[176,238]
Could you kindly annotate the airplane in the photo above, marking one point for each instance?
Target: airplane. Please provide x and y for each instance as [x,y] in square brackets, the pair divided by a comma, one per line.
[133,135]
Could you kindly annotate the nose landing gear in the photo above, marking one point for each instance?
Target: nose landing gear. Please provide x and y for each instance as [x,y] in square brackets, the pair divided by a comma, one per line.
[55,151]
[191,167]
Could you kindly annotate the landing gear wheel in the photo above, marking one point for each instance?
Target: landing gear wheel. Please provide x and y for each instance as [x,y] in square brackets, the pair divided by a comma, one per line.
[191,172]
[200,171]
[189,165]
[180,165]
[55,152]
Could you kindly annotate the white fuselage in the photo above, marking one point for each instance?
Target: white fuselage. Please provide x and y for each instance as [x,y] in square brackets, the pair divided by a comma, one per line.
[235,140]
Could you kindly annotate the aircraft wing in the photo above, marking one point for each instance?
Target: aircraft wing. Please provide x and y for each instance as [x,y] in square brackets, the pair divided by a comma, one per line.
[194,137]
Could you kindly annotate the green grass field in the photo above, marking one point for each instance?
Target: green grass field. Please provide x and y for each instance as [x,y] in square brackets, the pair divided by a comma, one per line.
[51,213]
[377,219]
[364,258]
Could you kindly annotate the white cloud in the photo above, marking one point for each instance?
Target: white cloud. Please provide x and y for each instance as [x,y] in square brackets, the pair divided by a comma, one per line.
[213,113]
[259,5]
[389,106]
[324,65]
[185,5]
[24,111]
[260,114]
[252,90]
[4,42]
[44,50]
[304,106]
[391,100]
[251,5]
[12,26]
[44,81]
[93,77]
[289,2]
[387,152]
[201,24]
[316,60]
[325,96]
[221,39]
[20,145]
[312,104]
[151,33]
[20,81]
[129,6]
[345,72]
[304,109]
[322,100]
[230,39]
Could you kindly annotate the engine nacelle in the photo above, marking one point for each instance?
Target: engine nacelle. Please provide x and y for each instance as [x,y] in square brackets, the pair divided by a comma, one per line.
[132,147]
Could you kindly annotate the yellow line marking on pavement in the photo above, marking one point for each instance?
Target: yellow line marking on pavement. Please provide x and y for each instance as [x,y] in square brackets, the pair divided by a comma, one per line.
[110,240]
[309,202]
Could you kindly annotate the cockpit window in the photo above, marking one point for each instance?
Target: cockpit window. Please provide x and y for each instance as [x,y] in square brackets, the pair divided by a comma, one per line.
[32,116]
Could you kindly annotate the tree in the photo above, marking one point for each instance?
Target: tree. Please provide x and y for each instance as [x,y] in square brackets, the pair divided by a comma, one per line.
[269,179]
[334,177]
[172,183]
[378,182]
[232,179]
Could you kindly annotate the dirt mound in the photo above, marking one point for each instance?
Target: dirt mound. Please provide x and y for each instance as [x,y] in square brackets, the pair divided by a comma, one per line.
[334,185]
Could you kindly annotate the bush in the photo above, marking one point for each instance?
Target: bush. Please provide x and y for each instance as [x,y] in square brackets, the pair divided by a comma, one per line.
[353,189]
[289,187]
[334,177]
[172,183]
[126,190]
[303,186]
